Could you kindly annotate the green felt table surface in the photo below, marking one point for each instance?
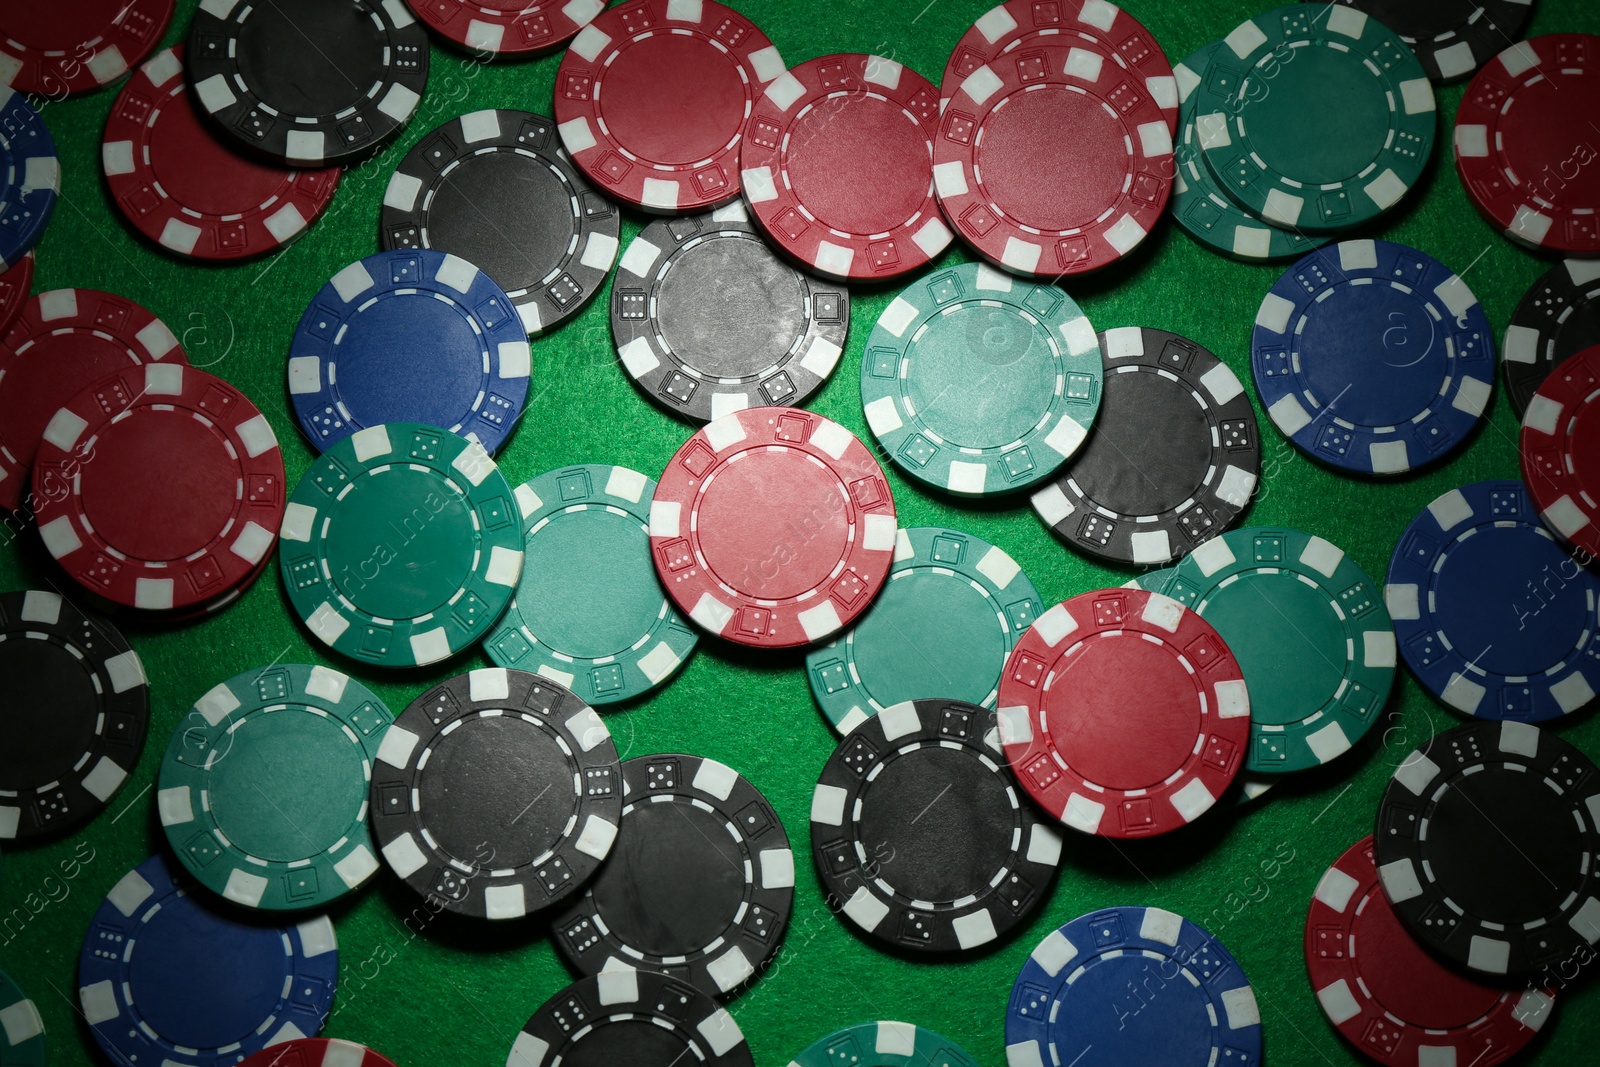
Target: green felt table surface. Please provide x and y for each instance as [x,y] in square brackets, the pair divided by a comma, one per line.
[430,991]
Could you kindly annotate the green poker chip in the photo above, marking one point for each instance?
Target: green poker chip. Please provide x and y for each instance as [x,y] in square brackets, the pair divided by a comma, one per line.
[979,383]
[884,1044]
[21,1029]
[589,612]
[401,546]
[949,615]
[1310,632]
[263,790]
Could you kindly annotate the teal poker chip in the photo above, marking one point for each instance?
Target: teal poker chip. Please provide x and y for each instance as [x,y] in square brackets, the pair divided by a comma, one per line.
[263,789]
[589,612]
[978,383]
[22,1041]
[949,615]
[884,1044]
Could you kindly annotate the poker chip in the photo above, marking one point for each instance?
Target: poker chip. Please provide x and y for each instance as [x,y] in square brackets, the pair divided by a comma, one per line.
[309,82]
[30,174]
[495,188]
[1123,713]
[884,1044]
[375,580]
[1513,143]
[1388,996]
[21,1028]
[1044,205]
[1485,842]
[1467,556]
[1558,317]
[182,188]
[920,836]
[653,98]
[507,27]
[1009,28]
[62,342]
[410,336]
[164,439]
[698,886]
[708,321]
[773,527]
[837,166]
[166,978]
[75,715]
[640,1018]
[1198,202]
[263,789]
[949,615]
[1452,38]
[317,1052]
[496,794]
[1194,1003]
[1372,357]
[1327,142]
[1171,461]
[1558,449]
[978,383]
[56,52]
[15,286]
[589,612]
[1310,633]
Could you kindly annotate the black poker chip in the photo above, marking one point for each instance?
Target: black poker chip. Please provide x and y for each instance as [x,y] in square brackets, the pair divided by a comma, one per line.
[496,794]
[74,717]
[1172,459]
[1485,844]
[1558,317]
[1452,38]
[700,882]
[708,320]
[309,82]
[496,189]
[920,835]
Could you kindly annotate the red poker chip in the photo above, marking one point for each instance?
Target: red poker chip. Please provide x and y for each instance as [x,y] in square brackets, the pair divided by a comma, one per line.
[1560,449]
[838,167]
[1515,141]
[63,341]
[1388,996]
[159,487]
[1019,24]
[507,27]
[15,285]
[184,189]
[652,97]
[1123,713]
[57,49]
[317,1052]
[773,527]
[1033,201]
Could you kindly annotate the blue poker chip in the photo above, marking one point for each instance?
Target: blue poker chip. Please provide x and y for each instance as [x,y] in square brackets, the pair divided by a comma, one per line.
[1373,357]
[1493,617]
[30,176]
[165,978]
[410,336]
[1125,986]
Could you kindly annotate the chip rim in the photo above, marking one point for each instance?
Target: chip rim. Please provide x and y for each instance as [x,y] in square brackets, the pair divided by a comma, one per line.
[32,153]
[87,71]
[476,26]
[885,1043]
[1567,289]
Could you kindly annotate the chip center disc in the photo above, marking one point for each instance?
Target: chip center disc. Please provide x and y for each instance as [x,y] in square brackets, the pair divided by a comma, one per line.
[166,463]
[378,356]
[587,590]
[1537,128]
[402,543]
[1043,178]
[1346,137]
[1289,643]
[769,524]
[661,897]
[198,172]
[497,792]
[981,377]
[1505,594]
[1122,711]
[42,25]
[186,979]
[283,57]
[859,163]
[956,647]
[672,99]
[730,308]
[43,735]
[1372,349]
[516,236]
[1099,1012]
[1404,979]
[639,1041]
[1147,451]
[936,824]
[289,786]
